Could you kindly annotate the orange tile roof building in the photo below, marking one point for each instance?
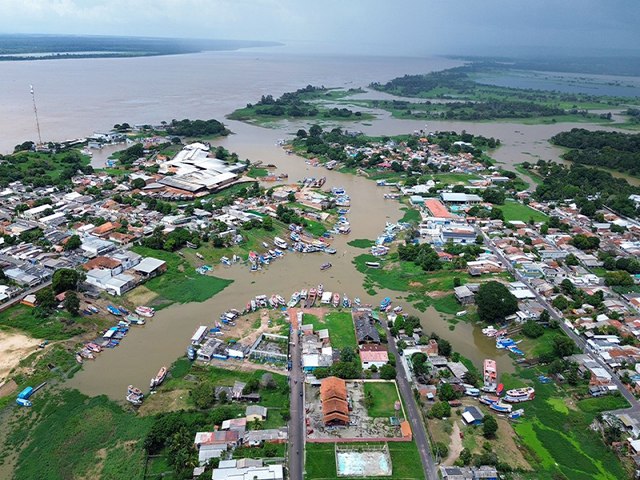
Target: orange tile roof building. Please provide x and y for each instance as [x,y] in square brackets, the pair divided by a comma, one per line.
[333,395]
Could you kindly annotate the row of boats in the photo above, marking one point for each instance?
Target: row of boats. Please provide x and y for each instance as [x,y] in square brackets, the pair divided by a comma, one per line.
[307,298]
[112,336]
[497,402]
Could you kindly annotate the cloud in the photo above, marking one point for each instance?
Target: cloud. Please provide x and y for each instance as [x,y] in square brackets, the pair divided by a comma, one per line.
[407,27]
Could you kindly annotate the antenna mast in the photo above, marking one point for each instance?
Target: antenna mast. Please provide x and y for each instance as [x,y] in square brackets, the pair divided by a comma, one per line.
[35,111]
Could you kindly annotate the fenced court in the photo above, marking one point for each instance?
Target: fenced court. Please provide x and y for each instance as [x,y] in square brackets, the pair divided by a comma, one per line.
[363,460]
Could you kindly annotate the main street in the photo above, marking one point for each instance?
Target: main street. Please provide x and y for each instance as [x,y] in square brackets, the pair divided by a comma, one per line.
[296,423]
[415,417]
[579,341]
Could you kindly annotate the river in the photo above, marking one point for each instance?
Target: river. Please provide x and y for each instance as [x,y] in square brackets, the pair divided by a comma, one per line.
[76,97]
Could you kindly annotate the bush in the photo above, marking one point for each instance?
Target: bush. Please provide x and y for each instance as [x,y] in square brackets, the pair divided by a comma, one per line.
[532,329]
[440,450]
[440,410]
[489,426]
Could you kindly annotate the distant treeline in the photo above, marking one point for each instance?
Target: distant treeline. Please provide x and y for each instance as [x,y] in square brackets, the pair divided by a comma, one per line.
[110,46]
[619,151]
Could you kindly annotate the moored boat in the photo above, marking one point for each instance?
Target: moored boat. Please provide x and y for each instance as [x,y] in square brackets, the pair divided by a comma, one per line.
[488,399]
[281,300]
[518,395]
[295,298]
[320,289]
[135,319]
[384,305]
[191,353]
[159,378]
[330,251]
[280,243]
[490,375]
[312,297]
[303,294]
[325,266]
[336,299]
[145,311]
[113,310]
[372,264]
[134,395]
[500,407]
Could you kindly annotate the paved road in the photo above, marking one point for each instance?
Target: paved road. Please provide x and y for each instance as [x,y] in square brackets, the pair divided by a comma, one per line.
[415,417]
[296,423]
[580,342]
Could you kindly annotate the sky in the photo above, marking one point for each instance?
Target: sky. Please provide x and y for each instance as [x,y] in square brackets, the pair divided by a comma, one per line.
[400,27]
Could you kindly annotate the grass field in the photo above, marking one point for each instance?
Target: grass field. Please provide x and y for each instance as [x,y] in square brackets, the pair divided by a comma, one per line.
[384,395]
[405,462]
[69,435]
[454,178]
[60,325]
[411,215]
[277,397]
[517,211]
[340,324]
[181,283]
[560,437]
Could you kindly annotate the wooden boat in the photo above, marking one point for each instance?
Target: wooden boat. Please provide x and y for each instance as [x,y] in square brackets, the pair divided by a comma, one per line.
[159,378]
[490,373]
[372,264]
[336,299]
[325,266]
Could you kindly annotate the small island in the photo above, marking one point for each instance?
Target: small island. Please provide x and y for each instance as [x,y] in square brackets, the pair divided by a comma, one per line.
[309,102]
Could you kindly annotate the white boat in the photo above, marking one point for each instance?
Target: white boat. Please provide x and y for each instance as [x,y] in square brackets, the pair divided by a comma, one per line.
[280,243]
[490,373]
[461,313]
[303,294]
[295,298]
[320,289]
[159,378]
[281,300]
[518,395]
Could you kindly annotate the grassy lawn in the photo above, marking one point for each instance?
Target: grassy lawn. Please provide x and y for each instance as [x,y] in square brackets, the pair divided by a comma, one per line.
[384,396]
[181,283]
[411,215]
[340,324]
[361,243]
[405,461]
[453,178]
[257,172]
[315,228]
[517,211]
[74,436]
[530,173]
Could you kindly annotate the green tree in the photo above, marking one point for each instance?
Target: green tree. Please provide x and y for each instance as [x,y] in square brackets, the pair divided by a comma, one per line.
[267,224]
[73,243]
[495,302]
[72,303]
[446,392]
[387,372]
[563,346]
[203,394]
[138,183]
[45,299]
[440,410]
[440,450]
[66,279]
[532,329]
[489,426]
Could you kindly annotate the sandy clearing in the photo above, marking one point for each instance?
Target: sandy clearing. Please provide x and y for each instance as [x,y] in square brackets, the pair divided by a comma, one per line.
[13,348]
[455,445]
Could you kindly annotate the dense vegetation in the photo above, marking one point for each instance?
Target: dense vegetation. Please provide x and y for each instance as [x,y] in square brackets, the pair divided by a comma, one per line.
[42,169]
[294,104]
[578,182]
[619,151]
[196,128]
